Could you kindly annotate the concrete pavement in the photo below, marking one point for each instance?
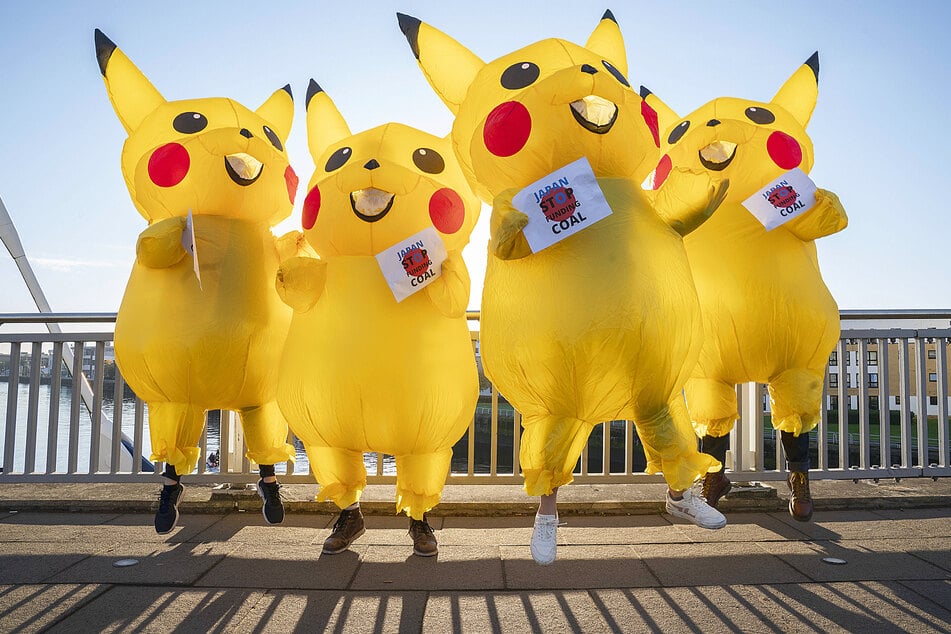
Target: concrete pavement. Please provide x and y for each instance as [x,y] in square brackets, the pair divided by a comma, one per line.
[629,569]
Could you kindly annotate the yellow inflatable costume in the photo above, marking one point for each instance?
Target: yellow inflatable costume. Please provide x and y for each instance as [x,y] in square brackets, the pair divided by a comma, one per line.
[184,344]
[767,314]
[605,324]
[362,371]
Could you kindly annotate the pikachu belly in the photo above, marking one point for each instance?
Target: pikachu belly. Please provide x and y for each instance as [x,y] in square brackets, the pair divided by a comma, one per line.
[363,372]
[765,305]
[217,346]
[596,327]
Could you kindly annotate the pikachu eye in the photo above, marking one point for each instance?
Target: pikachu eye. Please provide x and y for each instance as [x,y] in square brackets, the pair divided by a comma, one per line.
[428,160]
[519,75]
[273,138]
[761,116]
[337,159]
[617,74]
[678,132]
[190,122]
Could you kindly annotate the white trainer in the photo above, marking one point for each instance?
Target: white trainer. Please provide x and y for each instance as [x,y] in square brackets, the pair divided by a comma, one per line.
[544,539]
[694,508]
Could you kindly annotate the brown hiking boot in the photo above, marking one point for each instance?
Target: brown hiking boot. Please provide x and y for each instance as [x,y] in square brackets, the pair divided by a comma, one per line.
[424,541]
[800,502]
[715,486]
[347,528]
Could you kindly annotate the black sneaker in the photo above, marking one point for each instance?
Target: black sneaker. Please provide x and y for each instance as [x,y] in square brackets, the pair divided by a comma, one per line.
[273,509]
[167,515]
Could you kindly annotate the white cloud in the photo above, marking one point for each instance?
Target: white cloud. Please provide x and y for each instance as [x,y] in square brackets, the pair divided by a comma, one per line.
[63,264]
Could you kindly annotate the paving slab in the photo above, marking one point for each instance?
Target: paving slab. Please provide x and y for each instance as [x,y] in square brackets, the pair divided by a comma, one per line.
[576,567]
[939,592]
[868,560]
[741,527]
[616,529]
[528,611]
[280,565]
[485,531]
[156,609]
[716,564]
[334,611]
[32,608]
[454,568]
[45,527]
[34,562]
[246,528]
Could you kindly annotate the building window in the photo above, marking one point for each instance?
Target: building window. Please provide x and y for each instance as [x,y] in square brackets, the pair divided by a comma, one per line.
[897,400]
[848,380]
[834,358]
[833,402]
[873,380]
[933,400]
[933,377]
[873,402]
[932,354]
[873,357]
[833,380]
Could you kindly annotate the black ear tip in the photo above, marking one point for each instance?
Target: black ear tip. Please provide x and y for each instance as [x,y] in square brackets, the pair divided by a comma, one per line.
[287,88]
[813,63]
[645,92]
[410,28]
[104,49]
[609,16]
[312,89]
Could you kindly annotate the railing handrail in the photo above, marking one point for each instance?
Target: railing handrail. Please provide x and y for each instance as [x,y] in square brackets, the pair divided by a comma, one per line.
[55,318]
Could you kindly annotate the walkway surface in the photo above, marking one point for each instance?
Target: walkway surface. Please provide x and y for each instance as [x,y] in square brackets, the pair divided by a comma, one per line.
[881,565]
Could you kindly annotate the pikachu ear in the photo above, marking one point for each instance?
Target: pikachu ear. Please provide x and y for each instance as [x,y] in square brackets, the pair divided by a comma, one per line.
[449,67]
[657,115]
[325,124]
[606,41]
[132,95]
[278,110]
[800,92]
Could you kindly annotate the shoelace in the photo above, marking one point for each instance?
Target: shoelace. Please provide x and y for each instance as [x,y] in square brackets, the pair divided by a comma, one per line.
[165,498]
[342,521]
[800,486]
[272,490]
[422,526]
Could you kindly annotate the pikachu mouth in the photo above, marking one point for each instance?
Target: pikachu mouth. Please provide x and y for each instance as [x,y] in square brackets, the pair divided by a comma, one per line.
[371,204]
[717,155]
[243,168]
[595,114]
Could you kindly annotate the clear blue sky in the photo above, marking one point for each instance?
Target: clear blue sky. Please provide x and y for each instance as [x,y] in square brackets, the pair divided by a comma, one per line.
[878,129]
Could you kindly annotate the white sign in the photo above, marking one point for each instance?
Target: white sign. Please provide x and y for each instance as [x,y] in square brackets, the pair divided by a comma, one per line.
[561,204]
[189,244]
[785,198]
[413,263]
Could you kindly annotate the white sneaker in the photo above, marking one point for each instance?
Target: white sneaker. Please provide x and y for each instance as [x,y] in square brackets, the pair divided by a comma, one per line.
[694,508]
[544,539]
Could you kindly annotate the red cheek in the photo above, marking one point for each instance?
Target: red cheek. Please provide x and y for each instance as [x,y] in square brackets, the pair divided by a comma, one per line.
[447,211]
[311,207]
[662,172]
[650,118]
[784,150]
[290,178]
[168,165]
[507,129]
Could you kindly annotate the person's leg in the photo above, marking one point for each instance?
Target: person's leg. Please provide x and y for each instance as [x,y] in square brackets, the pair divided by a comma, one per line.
[166,517]
[715,485]
[270,492]
[798,463]
[342,477]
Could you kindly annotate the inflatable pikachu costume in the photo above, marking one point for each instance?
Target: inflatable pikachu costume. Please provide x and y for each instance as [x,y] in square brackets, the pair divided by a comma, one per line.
[605,324]
[362,371]
[187,345]
[767,314]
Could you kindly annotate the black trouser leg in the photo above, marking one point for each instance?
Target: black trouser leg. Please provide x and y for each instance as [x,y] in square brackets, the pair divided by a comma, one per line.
[716,446]
[796,449]
[266,470]
[170,472]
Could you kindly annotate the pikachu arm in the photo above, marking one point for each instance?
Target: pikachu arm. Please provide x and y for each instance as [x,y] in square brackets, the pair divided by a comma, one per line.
[300,282]
[688,198]
[293,244]
[826,217]
[449,293]
[506,240]
[160,245]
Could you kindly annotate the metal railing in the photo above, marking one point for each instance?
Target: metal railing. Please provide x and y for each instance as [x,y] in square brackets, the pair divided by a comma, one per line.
[51,435]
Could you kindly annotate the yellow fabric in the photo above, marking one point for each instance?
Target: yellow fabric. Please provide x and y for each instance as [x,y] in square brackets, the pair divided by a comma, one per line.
[767,314]
[605,324]
[182,348]
[360,371]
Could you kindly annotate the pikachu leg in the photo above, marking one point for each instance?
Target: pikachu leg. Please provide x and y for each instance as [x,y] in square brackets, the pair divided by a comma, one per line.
[712,405]
[419,481]
[795,398]
[550,448]
[671,447]
[340,473]
[175,429]
[265,434]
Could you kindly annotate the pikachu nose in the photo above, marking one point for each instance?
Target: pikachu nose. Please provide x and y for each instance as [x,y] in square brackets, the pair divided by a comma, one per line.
[713,123]
[591,70]
[245,133]
[371,164]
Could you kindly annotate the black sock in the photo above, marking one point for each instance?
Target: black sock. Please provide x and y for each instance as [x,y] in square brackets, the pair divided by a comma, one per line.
[266,470]
[170,473]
